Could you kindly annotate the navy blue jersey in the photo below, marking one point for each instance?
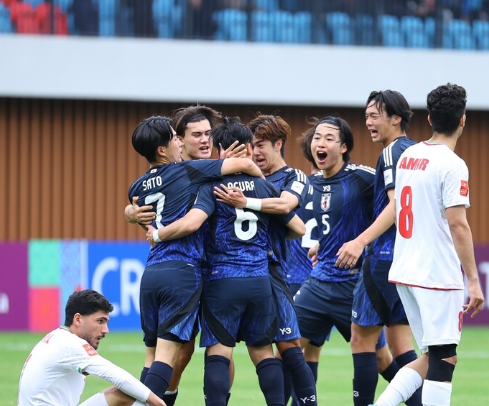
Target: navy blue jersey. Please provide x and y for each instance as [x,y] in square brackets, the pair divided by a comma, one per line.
[342,206]
[298,263]
[385,179]
[238,240]
[172,190]
[293,181]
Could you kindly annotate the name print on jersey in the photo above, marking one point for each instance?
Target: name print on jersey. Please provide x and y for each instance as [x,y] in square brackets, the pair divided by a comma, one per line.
[413,163]
[243,185]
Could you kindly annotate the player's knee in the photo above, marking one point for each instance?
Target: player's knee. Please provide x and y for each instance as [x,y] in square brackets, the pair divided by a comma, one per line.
[438,369]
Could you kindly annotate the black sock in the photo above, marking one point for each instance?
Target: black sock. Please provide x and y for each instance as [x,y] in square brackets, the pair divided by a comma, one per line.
[404,359]
[390,372]
[216,380]
[365,378]
[144,372]
[170,398]
[271,380]
[288,385]
[158,378]
[302,376]
[314,368]
[228,396]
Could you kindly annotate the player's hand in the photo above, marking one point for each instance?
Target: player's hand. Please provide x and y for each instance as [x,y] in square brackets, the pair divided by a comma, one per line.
[143,215]
[348,254]
[234,151]
[476,299]
[230,195]
[149,236]
[313,254]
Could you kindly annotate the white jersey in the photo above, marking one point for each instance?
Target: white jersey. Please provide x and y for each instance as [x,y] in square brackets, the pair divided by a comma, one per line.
[55,371]
[429,179]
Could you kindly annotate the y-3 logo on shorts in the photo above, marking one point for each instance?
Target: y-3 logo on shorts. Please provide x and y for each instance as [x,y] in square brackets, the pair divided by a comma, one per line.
[286,330]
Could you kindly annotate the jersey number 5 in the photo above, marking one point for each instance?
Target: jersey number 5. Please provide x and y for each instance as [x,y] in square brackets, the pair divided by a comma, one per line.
[405,221]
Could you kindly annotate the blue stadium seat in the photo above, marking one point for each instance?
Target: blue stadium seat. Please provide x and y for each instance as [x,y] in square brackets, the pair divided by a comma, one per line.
[303,24]
[340,28]
[283,22]
[430,28]
[457,34]
[261,27]
[34,3]
[480,31]
[364,30]
[63,4]
[390,31]
[167,17]
[231,25]
[107,12]
[5,24]
[266,5]
[414,33]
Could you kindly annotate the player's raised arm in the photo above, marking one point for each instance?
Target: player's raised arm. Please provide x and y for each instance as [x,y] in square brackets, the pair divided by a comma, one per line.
[233,165]
[186,225]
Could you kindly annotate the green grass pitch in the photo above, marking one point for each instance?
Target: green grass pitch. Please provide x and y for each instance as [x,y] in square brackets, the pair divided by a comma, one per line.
[470,386]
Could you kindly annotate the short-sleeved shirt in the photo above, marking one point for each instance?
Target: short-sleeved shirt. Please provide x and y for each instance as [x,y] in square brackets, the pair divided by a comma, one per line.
[430,179]
[172,189]
[385,179]
[238,240]
[55,371]
[342,206]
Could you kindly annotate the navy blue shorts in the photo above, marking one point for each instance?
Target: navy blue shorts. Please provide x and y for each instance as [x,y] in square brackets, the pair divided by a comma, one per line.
[169,301]
[238,309]
[288,326]
[376,301]
[323,305]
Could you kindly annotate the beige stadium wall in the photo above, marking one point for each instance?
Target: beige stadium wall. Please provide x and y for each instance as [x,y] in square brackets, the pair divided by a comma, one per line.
[66,165]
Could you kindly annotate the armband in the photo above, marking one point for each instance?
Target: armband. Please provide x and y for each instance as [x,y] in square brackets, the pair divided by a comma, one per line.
[156,237]
[253,204]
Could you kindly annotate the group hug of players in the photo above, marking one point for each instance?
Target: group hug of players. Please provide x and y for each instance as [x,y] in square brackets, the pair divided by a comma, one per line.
[234,241]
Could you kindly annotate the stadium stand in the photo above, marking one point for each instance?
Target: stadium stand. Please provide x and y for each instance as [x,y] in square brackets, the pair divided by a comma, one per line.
[460,25]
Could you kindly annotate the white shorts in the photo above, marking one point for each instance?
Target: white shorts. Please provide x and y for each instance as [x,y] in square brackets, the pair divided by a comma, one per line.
[435,316]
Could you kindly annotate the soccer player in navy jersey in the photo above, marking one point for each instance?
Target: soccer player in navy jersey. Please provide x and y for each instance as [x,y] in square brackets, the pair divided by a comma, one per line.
[237,296]
[342,206]
[171,283]
[270,133]
[377,303]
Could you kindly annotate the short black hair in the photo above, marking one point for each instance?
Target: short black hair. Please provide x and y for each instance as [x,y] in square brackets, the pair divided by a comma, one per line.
[346,136]
[151,133]
[446,105]
[193,114]
[85,302]
[231,130]
[392,103]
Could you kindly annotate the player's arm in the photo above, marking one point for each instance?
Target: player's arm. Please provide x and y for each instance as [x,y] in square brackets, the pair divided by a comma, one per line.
[123,380]
[296,228]
[273,205]
[186,225]
[350,251]
[139,214]
[313,254]
[247,166]
[462,239]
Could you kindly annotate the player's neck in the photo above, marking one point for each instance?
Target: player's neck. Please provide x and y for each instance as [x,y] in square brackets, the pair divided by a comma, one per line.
[389,140]
[276,166]
[439,138]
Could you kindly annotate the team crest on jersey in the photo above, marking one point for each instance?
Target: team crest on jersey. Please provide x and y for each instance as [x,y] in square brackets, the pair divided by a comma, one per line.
[89,349]
[325,201]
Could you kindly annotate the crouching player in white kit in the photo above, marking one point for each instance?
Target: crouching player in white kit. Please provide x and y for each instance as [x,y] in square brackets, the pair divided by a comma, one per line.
[55,371]
[433,239]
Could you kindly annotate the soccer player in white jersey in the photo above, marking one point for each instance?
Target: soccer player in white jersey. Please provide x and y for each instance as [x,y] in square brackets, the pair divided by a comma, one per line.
[433,239]
[55,371]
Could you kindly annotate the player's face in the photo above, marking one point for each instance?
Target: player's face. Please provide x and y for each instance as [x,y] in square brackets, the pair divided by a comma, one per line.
[327,148]
[196,141]
[174,150]
[93,327]
[265,155]
[382,128]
